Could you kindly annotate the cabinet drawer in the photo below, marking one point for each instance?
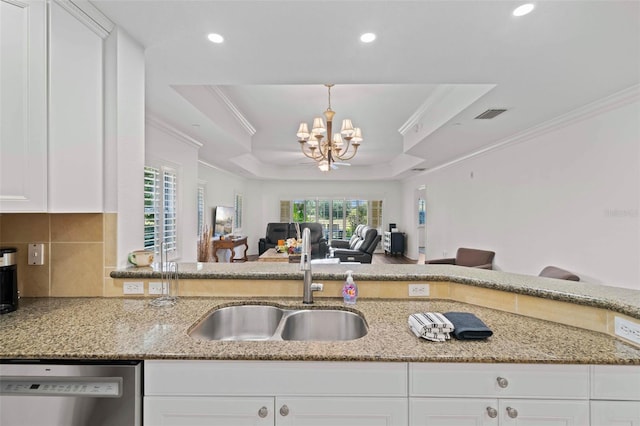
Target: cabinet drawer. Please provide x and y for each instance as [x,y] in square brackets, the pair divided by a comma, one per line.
[275,378]
[499,380]
[619,382]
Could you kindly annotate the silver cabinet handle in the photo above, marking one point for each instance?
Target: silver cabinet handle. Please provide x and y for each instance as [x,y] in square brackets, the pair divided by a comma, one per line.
[263,412]
[284,410]
[502,382]
[492,412]
[512,412]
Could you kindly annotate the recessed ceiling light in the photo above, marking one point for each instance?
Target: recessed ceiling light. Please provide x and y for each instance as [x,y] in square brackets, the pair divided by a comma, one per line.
[367,37]
[215,38]
[523,10]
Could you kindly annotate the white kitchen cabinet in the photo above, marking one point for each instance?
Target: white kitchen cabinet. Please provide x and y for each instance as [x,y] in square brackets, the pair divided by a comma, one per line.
[493,412]
[23,106]
[393,394]
[453,411]
[75,177]
[615,395]
[280,411]
[615,413]
[498,394]
[541,412]
[343,411]
[293,393]
[51,140]
[208,411]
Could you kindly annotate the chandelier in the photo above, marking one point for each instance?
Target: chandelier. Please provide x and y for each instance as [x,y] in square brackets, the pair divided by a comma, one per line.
[329,151]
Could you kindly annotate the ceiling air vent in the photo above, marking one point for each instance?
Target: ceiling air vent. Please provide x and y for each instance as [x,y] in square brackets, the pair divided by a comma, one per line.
[418,169]
[490,113]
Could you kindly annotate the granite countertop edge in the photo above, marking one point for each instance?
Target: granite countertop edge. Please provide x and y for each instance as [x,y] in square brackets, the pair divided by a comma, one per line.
[618,299]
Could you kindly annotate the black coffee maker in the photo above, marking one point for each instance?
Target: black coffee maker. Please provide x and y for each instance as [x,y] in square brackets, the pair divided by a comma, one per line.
[8,280]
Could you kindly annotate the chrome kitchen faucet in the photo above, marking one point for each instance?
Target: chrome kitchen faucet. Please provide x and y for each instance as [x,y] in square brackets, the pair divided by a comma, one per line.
[305,265]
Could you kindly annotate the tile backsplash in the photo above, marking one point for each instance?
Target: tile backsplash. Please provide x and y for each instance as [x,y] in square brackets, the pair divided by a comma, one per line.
[79,251]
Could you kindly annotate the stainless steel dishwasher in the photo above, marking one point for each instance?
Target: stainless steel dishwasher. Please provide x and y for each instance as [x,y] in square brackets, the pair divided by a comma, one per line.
[39,393]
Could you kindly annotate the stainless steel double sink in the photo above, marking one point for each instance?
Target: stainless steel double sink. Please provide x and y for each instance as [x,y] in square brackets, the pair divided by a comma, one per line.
[268,322]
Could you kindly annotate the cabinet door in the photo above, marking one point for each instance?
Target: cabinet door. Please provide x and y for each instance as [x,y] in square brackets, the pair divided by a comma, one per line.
[530,412]
[23,106]
[615,413]
[343,411]
[453,412]
[207,411]
[75,115]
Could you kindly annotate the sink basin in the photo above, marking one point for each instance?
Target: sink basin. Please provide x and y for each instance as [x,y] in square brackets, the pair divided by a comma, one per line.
[245,322]
[323,325]
[266,322]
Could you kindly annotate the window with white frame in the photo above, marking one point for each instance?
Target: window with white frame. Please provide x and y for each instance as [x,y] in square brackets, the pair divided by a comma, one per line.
[338,217]
[160,210]
[201,204]
[237,220]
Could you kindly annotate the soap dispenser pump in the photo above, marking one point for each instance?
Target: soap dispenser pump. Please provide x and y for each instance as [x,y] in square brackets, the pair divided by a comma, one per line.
[350,290]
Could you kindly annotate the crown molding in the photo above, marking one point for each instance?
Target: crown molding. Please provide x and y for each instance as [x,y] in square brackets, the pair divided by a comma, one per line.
[437,95]
[600,106]
[89,15]
[246,125]
[161,125]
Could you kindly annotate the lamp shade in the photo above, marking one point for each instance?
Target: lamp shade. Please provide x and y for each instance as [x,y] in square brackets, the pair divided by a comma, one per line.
[347,128]
[337,139]
[318,126]
[303,131]
[357,135]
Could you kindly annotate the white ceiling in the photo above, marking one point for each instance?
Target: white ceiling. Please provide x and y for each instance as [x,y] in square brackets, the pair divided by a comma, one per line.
[434,66]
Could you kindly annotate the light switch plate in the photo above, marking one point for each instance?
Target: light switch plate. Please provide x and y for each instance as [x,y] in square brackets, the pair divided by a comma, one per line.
[36,254]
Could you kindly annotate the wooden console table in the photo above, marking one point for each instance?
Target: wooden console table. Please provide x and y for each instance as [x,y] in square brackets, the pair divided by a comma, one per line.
[230,244]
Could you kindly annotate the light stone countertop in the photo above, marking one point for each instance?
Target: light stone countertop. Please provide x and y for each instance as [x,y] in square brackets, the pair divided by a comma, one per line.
[129,328]
[623,300]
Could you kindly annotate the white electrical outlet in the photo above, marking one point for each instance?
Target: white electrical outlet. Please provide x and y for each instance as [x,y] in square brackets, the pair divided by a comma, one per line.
[130,287]
[155,288]
[419,290]
[627,329]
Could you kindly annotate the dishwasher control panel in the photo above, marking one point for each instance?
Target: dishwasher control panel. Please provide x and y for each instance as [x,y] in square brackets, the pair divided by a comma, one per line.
[102,387]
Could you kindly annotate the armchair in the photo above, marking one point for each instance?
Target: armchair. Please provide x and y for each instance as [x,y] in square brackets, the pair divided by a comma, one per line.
[558,273]
[275,231]
[347,244]
[468,257]
[361,246]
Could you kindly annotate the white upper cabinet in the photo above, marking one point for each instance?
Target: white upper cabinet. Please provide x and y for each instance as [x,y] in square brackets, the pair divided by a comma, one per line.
[51,109]
[75,114]
[23,103]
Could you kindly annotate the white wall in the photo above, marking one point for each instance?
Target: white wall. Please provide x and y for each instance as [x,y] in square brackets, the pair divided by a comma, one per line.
[166,147]
[567,197]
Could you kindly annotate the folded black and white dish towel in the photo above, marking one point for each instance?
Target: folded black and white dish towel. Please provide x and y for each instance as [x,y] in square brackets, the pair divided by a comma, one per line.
[431,326]
[437,327]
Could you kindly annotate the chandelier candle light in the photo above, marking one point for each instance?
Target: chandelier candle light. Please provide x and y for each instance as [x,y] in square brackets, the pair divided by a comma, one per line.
[328,151]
